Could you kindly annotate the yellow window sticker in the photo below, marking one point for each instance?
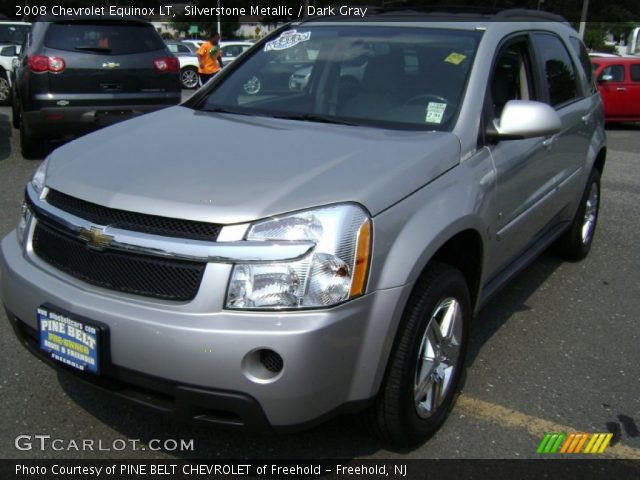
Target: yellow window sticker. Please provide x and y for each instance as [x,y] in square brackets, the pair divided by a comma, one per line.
[455,58]
[435,112]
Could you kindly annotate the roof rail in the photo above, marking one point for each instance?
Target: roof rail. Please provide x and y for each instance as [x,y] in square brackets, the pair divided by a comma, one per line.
[527,14]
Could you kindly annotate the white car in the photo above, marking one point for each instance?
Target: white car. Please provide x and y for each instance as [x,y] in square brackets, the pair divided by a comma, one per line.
[196,43]
[12,35]
[189,78]
[189,63]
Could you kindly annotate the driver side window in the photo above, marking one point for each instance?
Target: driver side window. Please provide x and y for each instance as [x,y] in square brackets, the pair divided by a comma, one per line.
[512,77]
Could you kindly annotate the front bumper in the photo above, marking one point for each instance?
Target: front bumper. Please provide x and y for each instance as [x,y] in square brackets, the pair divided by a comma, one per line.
[193,357]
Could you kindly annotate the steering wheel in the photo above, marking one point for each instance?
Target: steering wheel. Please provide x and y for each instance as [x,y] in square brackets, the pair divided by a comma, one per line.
[419,99]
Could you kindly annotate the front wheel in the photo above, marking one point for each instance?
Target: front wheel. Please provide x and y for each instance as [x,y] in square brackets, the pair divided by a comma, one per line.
[427,360]
[575,243]
[189,77]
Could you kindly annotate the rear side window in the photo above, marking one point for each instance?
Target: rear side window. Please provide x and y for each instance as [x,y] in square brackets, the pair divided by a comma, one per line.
[103,38]
[233,50]
[558,69]
[175,48]
[585,62]
[15,34]
[635,72]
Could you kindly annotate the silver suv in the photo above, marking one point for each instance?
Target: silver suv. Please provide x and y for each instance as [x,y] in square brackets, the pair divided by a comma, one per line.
[266,257]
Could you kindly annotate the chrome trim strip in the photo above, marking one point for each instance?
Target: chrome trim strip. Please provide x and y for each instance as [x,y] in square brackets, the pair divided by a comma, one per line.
[180,248]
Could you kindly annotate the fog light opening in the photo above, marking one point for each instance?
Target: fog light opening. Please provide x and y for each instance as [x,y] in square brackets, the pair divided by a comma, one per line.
[262,365]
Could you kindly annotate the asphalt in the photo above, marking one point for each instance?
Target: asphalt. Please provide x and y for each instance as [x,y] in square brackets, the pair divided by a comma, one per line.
[557,348]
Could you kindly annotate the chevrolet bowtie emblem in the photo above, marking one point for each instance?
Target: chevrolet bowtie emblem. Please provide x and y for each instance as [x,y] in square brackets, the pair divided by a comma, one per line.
[110,65]
[95,238]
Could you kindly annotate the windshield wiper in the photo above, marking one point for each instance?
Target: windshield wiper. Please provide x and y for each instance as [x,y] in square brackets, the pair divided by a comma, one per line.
[93,49]
[312,117]
[224,110]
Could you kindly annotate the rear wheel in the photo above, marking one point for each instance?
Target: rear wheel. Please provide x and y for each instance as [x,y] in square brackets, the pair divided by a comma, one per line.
[189,77]
[426,362]
[15,116]
[5,89]
[575,243]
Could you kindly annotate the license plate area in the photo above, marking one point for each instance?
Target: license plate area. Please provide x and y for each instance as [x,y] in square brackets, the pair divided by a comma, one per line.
[71,340]
[109,117]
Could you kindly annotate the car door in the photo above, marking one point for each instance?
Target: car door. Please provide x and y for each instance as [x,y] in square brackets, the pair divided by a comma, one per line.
[612,87]
[525,169]
[566,89]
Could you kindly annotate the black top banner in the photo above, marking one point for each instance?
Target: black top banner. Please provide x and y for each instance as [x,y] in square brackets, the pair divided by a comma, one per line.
[274,11]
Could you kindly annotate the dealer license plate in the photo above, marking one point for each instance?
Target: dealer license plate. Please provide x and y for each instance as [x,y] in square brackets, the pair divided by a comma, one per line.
[68,340]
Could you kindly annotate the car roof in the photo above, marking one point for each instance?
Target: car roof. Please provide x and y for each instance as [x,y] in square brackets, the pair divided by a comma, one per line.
[233,42]
[618,60]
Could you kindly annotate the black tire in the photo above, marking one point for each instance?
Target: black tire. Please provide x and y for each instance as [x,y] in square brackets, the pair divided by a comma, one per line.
[5,89]
[394,414]
[15,116]
[574,244]
[189,78]
[31,146]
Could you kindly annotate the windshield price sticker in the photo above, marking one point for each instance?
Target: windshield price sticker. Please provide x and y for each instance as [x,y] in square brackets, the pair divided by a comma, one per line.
[286,40]
[435,112]
[455,58]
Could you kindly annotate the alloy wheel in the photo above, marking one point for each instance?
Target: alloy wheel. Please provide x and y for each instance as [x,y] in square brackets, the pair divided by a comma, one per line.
[438,357]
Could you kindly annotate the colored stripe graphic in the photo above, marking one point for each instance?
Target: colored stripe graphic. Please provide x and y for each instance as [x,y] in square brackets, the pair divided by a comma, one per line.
[574,443]
[544,442]
[551,442]
[598,443]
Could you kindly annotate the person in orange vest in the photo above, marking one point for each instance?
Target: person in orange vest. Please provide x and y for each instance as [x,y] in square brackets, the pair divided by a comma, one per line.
[209,58]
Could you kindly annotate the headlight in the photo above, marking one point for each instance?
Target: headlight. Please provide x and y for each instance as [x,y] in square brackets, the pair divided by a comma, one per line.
[39,178]
[23,224]
[335,271]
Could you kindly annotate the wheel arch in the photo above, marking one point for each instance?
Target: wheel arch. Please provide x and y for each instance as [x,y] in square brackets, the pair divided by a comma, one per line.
[600,160]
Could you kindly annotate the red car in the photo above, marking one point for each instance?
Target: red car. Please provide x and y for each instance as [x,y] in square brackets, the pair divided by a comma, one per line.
[619,84]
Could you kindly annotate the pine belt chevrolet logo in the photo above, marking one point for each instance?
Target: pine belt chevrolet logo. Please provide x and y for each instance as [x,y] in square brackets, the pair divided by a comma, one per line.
[95,238]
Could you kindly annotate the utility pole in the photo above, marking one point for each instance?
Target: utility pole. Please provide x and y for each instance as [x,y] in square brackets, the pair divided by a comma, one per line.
[219,26]
[583,18]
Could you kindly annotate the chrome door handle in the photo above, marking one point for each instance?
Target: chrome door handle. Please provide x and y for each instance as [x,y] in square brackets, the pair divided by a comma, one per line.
[586,118]
[621,89]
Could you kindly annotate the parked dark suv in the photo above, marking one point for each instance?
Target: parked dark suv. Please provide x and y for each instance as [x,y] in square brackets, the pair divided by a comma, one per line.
[77,75]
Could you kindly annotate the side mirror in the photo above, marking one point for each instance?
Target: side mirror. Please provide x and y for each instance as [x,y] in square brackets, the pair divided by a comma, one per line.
[606,78]
[11,51]
[525,119]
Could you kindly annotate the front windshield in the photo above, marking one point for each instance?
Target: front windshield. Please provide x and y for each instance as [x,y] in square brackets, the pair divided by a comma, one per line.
[14,34]
[393,77]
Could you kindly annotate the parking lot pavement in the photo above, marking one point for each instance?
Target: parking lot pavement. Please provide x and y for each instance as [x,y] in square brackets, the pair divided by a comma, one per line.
[557,350]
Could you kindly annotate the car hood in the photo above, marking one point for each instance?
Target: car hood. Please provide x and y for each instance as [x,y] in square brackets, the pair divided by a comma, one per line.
[226,168]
